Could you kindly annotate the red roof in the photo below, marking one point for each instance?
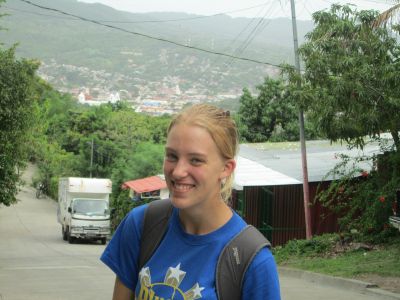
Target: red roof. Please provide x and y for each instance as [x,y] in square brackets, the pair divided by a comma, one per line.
[143,185]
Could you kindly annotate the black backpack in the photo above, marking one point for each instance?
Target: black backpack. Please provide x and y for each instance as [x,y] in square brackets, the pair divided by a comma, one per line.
[233,261]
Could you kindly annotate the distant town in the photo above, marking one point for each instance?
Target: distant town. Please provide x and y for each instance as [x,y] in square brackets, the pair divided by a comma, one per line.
[96,87]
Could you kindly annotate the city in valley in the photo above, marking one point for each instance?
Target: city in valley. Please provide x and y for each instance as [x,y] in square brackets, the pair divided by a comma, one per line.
[167,96]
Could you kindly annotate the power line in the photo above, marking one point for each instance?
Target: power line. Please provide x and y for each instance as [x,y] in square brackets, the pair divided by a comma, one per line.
[149,36]
[235,52]
[151,21]
[38,14]
[380,2]
[254,32]
[228,63]
[189,18]
[371,1]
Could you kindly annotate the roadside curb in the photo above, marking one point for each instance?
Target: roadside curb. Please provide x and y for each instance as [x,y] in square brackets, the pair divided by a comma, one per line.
[339,282]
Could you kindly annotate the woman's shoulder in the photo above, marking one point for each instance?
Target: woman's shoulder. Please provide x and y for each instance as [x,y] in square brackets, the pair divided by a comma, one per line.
[138,211]
[134,218]
[261,279]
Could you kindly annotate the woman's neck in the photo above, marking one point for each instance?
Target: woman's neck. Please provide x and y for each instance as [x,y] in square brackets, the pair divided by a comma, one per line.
[203,220]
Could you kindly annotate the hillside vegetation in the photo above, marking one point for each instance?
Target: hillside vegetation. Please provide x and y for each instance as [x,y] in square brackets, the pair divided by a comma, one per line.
[53,37]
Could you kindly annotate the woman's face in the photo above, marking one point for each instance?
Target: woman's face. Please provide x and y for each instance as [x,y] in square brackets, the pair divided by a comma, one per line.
[193,167]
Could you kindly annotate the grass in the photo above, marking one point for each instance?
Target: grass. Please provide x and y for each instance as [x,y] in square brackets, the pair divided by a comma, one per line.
[318,255]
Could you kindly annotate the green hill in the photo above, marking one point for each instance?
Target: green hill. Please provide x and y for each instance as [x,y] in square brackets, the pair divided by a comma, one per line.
[58,39]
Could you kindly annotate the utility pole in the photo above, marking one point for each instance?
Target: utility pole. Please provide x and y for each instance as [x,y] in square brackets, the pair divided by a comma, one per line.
[306,193]
[91,158]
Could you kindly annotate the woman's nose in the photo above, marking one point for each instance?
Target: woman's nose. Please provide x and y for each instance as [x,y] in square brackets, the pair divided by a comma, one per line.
[180,169]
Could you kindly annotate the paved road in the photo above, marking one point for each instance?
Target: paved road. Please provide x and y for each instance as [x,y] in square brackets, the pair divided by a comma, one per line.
[35,263]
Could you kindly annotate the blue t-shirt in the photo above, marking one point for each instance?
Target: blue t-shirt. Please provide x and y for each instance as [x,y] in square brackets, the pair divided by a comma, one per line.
[184,265]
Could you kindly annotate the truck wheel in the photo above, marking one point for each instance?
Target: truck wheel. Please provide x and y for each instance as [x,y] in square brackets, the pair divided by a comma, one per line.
[103,241]
[64,233]
[69,237]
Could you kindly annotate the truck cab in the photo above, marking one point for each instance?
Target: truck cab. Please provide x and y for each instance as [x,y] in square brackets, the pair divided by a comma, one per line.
[83,208]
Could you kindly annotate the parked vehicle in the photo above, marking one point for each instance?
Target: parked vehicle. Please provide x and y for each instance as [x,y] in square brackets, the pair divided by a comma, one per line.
[83,208]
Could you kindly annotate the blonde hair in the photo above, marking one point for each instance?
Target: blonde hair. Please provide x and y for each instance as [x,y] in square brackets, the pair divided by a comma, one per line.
[222,129]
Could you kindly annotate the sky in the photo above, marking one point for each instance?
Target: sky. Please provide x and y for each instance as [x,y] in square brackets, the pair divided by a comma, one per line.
[239,8]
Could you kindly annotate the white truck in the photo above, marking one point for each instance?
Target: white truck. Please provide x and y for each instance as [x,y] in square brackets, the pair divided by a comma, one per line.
[83,208]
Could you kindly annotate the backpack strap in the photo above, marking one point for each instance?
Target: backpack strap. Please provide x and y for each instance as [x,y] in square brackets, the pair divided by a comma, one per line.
[155,224]
[234,260]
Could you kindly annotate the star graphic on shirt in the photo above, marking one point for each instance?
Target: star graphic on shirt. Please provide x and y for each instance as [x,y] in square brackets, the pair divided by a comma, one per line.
[197,291]
[144,276]
[176,272]
[144,272]
[174,276]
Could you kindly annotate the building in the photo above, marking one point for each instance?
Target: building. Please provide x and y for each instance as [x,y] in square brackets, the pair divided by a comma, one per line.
[149,188]
[268,188]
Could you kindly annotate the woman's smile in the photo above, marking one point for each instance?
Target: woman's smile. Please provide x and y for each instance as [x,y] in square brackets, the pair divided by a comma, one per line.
[182,187]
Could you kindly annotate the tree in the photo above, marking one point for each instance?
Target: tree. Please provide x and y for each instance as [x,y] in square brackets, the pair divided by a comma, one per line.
[269,115]
[16,118]
[353,70]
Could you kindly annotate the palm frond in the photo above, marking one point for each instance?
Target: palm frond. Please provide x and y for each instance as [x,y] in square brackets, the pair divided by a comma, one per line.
[387,15]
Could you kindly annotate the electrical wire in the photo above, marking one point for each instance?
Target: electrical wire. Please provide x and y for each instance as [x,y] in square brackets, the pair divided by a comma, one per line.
[151,37]
[237,37]
[256,30]
[227,65]
[38,14]
[154,21]
[189,18]
[371,1]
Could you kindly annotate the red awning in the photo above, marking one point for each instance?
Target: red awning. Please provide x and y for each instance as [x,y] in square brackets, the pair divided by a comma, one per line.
[143,185]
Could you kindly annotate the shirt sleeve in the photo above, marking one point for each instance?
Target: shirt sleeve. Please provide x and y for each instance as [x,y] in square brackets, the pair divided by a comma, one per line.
[261,279]
[122,252]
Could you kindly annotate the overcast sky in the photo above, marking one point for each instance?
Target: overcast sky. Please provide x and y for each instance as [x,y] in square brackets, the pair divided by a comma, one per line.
[239,8]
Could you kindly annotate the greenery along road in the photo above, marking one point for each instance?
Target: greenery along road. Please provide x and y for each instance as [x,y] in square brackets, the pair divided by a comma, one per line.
[328,254]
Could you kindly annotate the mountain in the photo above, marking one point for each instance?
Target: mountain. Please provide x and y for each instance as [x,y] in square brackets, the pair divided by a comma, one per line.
[77,52]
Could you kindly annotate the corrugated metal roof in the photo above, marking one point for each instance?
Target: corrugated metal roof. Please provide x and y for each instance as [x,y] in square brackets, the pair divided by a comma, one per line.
[143,185]
[321,158]
[251,173]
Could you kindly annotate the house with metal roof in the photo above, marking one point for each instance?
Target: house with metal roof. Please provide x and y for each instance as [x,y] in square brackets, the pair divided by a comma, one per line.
[268,186]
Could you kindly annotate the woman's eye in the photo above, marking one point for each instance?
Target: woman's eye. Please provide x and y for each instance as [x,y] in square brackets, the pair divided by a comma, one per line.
[170,157]
[196,161]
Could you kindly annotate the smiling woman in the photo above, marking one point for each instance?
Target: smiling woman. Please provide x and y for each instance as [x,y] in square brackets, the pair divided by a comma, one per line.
[198,167]
[200,151]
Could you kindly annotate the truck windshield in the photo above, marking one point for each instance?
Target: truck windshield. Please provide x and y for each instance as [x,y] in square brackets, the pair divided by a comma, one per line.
[90,207]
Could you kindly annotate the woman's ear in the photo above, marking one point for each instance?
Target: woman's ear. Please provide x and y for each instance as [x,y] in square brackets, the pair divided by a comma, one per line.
[229,167]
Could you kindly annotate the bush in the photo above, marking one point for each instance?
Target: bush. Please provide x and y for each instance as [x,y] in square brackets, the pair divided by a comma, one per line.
[363,199]
[317,246]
